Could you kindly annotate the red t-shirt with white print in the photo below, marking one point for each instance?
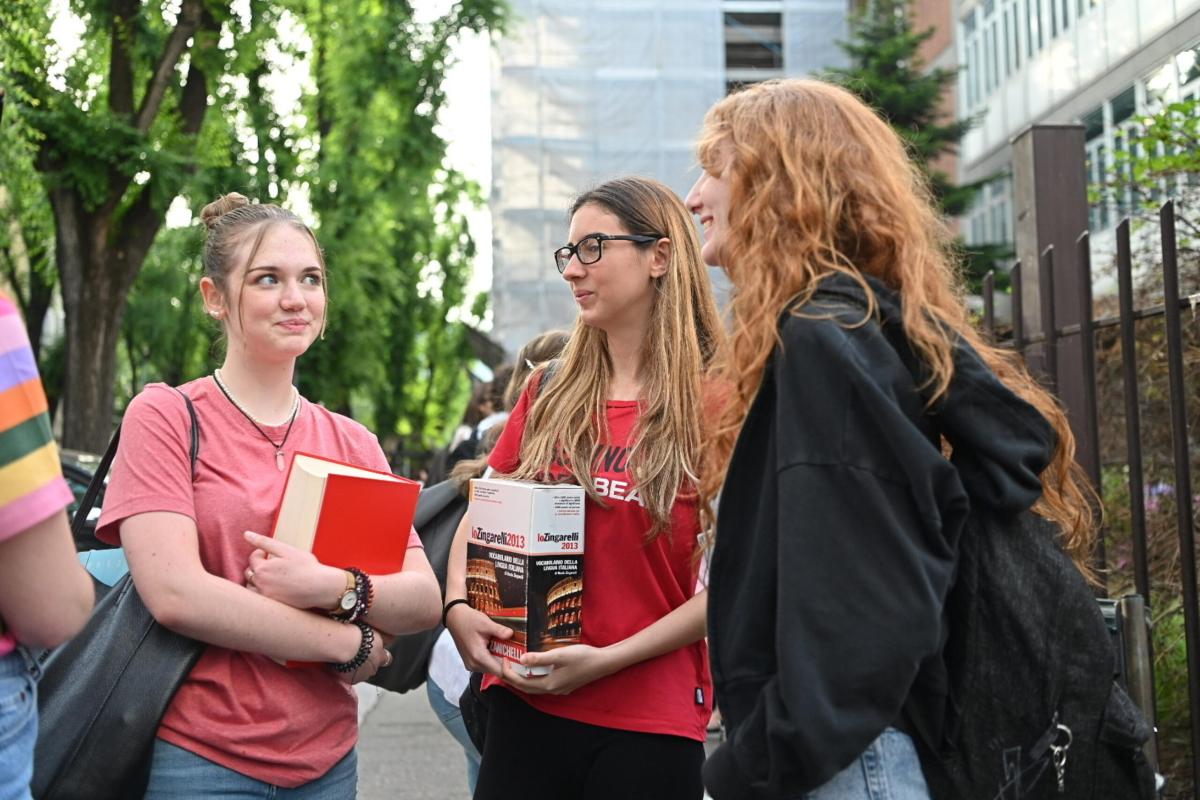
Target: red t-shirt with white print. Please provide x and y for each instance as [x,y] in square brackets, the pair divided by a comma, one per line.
[628,584]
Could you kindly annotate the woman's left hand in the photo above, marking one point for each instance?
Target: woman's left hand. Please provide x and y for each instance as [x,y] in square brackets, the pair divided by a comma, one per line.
[291,575]
[573,666]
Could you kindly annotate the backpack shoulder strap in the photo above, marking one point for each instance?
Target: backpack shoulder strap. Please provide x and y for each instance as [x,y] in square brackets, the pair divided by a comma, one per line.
[547,373]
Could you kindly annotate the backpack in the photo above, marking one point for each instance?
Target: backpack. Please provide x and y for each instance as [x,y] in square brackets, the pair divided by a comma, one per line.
[1034,710]
[439,509]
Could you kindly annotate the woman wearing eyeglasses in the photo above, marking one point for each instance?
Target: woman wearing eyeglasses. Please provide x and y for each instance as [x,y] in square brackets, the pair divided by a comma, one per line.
[623,713]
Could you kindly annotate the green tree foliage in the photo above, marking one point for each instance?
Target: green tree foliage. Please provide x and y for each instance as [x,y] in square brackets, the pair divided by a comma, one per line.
[26,230]
[1158,158]
[886,70]
[119,129]
[165,335]
[391,215]
[160,100]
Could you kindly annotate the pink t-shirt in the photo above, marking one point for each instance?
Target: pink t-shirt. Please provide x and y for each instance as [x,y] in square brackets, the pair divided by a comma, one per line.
[243,711]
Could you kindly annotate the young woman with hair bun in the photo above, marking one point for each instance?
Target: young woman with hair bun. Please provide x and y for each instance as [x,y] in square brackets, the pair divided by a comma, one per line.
[852,363]
[243,725]
[623,713]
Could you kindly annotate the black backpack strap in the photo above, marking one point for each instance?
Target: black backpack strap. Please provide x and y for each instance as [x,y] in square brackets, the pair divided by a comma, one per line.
[97,482]
[547,373]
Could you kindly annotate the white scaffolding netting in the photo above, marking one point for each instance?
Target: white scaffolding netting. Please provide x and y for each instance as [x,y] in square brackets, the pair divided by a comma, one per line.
[587,90]
[584,91]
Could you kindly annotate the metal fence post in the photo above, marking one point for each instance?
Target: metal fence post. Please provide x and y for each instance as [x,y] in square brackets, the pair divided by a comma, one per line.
[1050,198]
[1134,619]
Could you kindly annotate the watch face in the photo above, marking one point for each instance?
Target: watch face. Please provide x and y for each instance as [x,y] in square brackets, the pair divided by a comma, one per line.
[349,599]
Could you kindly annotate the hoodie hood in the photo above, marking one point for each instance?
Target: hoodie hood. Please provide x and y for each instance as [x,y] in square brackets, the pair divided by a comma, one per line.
[1000,443]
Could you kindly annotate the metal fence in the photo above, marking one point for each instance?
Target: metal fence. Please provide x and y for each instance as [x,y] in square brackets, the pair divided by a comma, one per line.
[1067,260]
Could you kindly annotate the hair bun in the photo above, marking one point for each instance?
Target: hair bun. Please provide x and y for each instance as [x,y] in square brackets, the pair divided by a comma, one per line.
[222,206]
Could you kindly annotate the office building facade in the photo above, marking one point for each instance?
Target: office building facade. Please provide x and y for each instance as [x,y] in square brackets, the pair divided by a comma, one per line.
[1098,62]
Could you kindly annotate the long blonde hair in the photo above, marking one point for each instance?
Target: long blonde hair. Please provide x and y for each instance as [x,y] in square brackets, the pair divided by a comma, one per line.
[567,421]
[821,185]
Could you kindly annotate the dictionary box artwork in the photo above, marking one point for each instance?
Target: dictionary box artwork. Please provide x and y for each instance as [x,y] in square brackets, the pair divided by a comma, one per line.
[525,563]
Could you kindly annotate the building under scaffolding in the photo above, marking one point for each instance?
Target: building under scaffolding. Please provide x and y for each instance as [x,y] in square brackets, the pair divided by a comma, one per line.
[586,90]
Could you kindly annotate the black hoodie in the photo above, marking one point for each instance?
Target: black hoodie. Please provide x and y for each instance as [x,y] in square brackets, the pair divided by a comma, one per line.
[837,537]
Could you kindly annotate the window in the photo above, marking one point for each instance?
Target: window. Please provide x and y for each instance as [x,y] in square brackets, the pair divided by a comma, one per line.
[970,57]
[1113,126]
[753,41]
[1030,27]
[1008,68]
[989,56]
[990,219]
[1188,64]
[1160,87]
[1014,13]
[1060,16]
[1035,24]
[1123,106]
[1098,218]
[994,61]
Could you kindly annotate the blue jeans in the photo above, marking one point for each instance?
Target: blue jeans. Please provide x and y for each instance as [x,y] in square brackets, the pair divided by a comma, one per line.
[178,774]
[887,770]
[451,718]
[18,724]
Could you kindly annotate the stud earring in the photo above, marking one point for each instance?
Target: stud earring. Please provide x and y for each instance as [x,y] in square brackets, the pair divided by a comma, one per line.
[216,314]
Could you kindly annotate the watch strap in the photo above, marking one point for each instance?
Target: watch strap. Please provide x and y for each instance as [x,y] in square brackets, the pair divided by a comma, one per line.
[349,587]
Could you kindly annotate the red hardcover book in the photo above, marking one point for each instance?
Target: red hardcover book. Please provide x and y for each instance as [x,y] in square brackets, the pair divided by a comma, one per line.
[347,516]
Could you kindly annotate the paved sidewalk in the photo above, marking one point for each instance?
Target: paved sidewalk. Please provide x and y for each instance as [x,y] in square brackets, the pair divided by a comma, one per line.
[404,753]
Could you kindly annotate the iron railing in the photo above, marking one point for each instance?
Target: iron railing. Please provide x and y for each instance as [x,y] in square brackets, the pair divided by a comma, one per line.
[1085,420]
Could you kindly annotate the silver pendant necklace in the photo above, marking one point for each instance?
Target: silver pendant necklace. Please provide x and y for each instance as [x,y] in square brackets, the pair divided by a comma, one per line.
[279,461]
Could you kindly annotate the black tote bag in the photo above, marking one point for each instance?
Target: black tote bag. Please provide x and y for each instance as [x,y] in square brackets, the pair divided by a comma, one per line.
[102,695]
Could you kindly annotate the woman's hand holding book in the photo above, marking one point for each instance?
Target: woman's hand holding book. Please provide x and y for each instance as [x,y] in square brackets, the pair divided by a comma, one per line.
[573,666]
[290,575]
[472,630]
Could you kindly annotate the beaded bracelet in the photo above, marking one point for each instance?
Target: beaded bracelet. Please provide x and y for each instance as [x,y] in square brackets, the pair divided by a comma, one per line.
[364,650]
[364,592]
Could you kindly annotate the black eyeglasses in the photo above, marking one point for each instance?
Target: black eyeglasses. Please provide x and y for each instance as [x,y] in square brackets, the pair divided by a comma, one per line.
[590,248]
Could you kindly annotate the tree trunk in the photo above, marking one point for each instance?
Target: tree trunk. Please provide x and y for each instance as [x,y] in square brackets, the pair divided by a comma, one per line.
[94,287]
[41,293]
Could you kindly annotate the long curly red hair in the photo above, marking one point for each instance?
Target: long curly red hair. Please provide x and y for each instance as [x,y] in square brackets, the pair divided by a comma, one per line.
[820,185]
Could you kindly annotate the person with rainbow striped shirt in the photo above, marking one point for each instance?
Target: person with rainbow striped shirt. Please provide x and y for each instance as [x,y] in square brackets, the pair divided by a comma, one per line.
[45,594]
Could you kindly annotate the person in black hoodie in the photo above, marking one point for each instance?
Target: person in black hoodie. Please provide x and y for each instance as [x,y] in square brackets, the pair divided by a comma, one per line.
[862,418]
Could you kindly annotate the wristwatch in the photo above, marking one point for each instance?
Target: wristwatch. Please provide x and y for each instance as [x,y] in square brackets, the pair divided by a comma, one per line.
[349,597]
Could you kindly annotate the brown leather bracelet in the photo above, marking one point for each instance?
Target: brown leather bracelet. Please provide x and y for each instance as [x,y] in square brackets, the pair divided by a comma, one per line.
[337,605]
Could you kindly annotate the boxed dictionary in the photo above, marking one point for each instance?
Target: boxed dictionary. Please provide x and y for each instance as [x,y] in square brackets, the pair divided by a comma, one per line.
[525,563]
